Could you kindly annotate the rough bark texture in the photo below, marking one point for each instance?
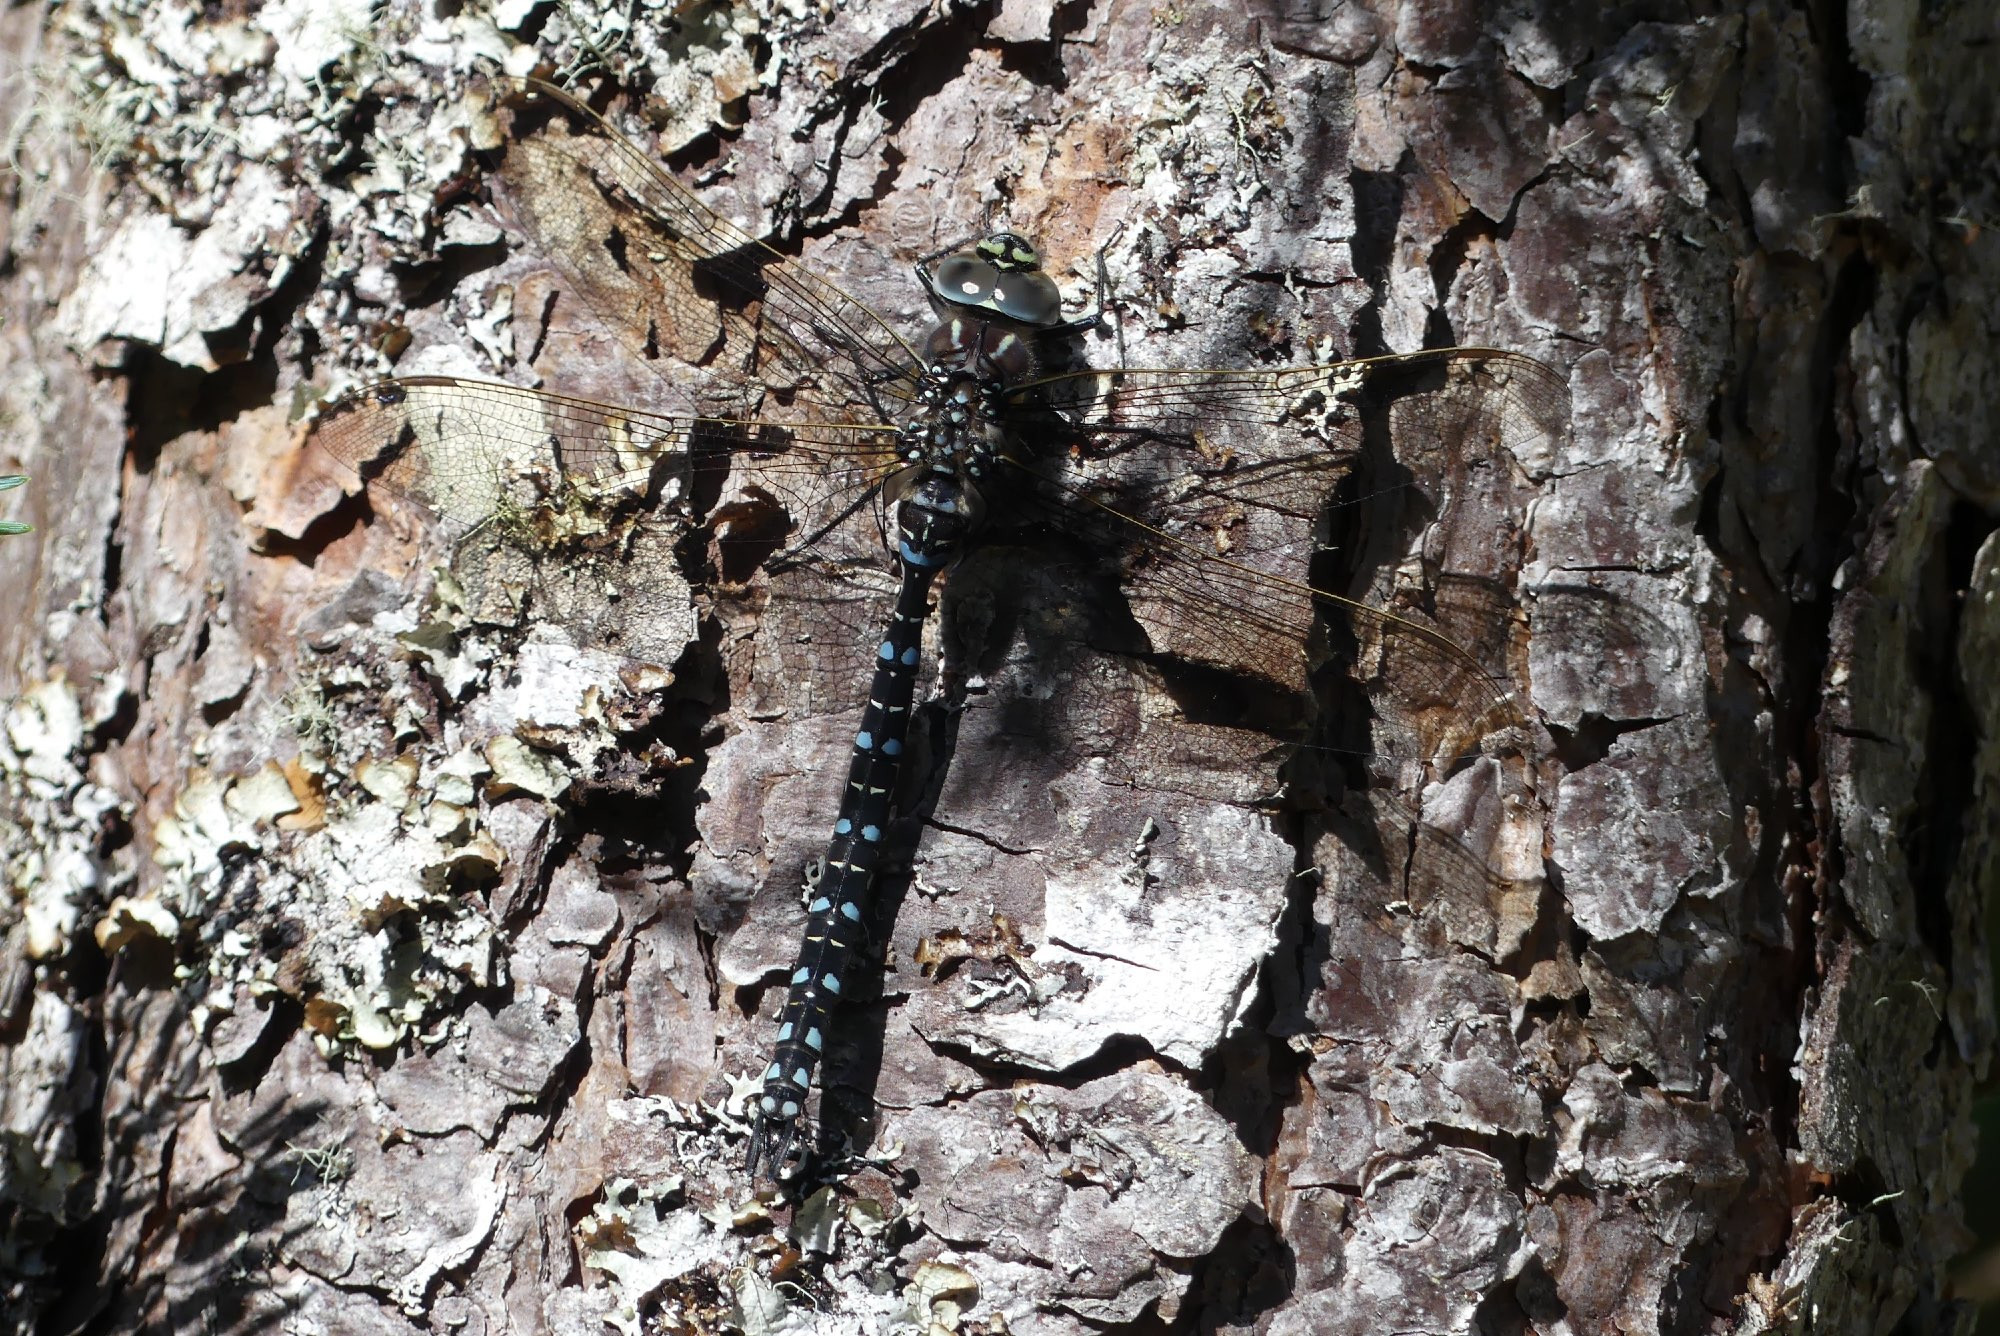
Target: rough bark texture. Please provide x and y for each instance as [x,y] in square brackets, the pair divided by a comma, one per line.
[361,980]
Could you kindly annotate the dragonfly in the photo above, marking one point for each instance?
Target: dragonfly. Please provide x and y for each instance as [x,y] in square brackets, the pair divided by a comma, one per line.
[791,427]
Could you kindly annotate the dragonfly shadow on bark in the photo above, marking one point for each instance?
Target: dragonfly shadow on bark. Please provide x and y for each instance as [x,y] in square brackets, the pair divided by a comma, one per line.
[1040,640]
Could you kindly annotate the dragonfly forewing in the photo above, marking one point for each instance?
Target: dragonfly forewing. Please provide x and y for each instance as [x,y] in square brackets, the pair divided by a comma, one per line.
[586,502]
[663,271]
[475,452]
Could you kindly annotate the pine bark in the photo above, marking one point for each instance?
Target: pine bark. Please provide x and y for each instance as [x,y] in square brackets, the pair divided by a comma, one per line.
[356,982]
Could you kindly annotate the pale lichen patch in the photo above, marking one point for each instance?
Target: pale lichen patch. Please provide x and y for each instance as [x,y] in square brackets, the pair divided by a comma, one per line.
[628,1238]
[518,768]
[52,862]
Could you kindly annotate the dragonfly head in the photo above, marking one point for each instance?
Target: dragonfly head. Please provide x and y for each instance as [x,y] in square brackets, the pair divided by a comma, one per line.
[1009,252]
[1000,275]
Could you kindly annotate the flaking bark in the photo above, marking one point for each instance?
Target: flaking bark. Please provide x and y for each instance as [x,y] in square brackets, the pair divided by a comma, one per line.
[367,968]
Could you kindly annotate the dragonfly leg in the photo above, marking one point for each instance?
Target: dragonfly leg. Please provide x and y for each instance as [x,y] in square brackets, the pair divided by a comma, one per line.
[1083,324]
[774,1145]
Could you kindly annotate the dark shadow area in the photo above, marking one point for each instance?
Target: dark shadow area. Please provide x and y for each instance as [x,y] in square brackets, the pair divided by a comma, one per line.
[1531,1305]
[1250,1271]
[107,1273]
[1935,839]
[1378,210]
[911,73]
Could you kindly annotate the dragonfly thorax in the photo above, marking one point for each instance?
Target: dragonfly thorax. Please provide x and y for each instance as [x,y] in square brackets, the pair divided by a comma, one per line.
[994,302]
[970,364]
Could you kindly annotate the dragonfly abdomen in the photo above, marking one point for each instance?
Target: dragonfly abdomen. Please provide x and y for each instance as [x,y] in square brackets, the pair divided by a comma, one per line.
[932,520]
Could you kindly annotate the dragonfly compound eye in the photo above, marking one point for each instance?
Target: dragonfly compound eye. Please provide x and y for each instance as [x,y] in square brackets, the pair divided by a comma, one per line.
[964,279]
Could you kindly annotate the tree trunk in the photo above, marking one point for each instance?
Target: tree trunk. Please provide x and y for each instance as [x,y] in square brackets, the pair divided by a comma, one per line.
[373,969]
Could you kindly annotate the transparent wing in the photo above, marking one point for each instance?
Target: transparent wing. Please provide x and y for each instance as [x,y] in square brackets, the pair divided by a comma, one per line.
[667,274]
[479,453]
[573,513]
[1254,511]
[1268,422]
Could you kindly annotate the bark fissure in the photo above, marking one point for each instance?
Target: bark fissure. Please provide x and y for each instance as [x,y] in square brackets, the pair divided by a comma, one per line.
[377,965]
